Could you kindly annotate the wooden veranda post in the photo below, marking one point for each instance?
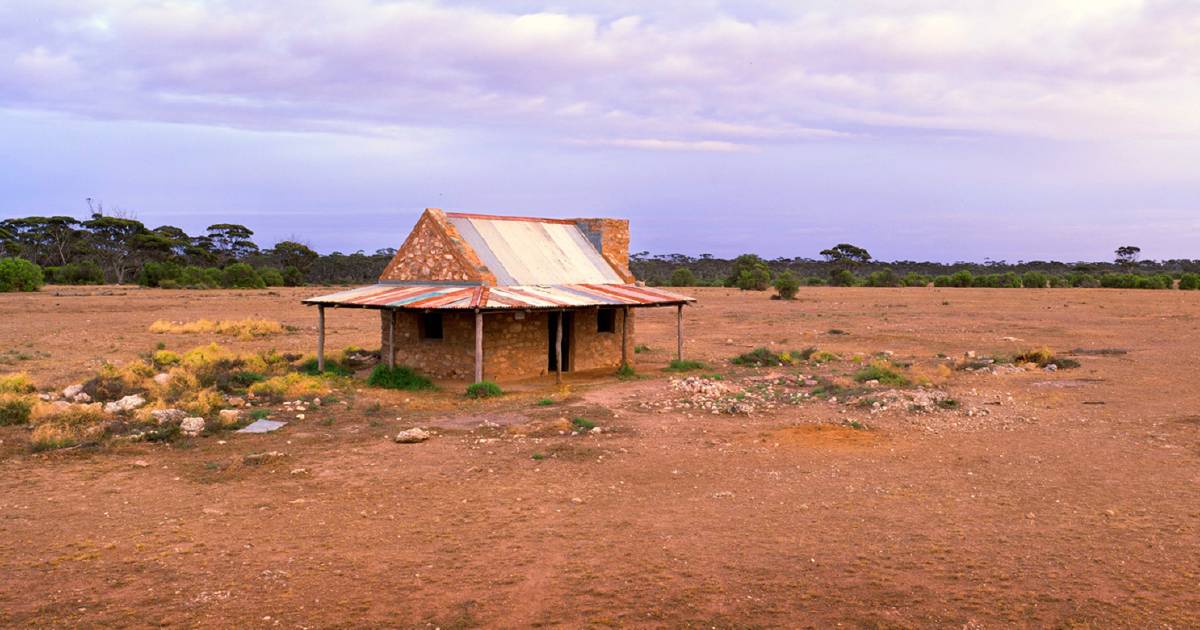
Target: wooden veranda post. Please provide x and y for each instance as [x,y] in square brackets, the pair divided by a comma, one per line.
[625,337]
[679,332]
[391,356]
[320,337]
[558,349]
[478,346]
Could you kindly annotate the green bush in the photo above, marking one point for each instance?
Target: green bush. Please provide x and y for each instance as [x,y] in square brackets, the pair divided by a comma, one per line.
[484,389]
[786,285]
[914,279]
[1119,281]
[193,277]
[842,278]
[75,273]
[884,278]
[15,409]
[1034,280]
[750,273]
[18,274]
[399,377]
[882,372]
[271,277]
[293,277]
[683,277]
[241,276]
[154,274]
[331,367]
[814,281]
[1189,282]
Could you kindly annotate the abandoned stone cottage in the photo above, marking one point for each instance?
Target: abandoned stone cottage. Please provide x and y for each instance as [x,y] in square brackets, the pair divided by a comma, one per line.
[501,298]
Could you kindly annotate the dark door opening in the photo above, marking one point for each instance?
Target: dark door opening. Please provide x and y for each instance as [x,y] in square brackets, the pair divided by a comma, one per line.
[568,320]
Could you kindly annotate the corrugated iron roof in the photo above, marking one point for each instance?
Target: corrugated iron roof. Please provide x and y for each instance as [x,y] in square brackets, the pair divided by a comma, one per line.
[439,297]
[528,251]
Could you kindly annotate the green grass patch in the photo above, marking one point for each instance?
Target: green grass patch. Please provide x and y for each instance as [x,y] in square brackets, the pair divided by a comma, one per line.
[537,457]
[948,403]
[626,372]
[640,348]
[331,367]
[583,424]
[399,377]
[545,402]
[685,365]
[15,409]
[484,389]
[883,372]
[260,414]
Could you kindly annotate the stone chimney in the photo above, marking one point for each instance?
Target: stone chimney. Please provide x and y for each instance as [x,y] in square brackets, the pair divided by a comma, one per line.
[611,238]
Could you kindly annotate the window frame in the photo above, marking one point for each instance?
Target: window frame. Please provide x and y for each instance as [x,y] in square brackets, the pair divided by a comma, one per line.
[601,314]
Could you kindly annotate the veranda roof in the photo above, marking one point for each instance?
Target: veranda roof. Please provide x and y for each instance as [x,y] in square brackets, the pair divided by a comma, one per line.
[520,297]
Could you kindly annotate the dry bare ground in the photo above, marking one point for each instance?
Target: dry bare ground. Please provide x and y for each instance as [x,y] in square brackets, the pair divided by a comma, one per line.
[1065,499]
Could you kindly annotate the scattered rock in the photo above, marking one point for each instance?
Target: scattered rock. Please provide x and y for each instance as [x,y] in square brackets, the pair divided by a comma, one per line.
[1051,367]
[82,397]
[141,463]
[229,417]
[162,378]
[236,401]
[191,426]
[316,402]
[72,391]
[124,405]
[166,416]
[412,436]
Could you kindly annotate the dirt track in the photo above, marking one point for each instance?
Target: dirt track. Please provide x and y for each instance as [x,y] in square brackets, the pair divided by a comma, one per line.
[1075,502]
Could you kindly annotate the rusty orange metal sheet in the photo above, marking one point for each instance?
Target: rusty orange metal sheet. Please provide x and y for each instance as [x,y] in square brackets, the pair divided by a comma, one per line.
[521,297]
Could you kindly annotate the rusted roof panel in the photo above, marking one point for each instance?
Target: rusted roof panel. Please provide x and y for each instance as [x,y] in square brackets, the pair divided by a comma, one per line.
[426,297]
[523,251]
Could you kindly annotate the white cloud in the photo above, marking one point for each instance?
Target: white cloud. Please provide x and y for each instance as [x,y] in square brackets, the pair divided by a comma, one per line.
[707,79]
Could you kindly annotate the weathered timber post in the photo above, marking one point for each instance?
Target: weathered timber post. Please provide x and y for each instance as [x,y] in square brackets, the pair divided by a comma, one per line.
[625,338]
[391,356]
[320,337]
[679,332]
[478,345]
[558,367]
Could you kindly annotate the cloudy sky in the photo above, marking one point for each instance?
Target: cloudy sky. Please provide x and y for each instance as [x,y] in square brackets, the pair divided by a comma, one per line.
[919,129]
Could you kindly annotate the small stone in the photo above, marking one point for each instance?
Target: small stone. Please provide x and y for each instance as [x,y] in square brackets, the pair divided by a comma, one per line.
[162,378]
[191,426]
[72,391]
[82,397]
[141,463]
[229,417]
[412,436]
[576,500]
[316,402]
[299,416]
[236,401]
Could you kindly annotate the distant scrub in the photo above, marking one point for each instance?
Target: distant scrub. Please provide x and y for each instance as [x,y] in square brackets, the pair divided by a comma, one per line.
[241,328]
[786,285]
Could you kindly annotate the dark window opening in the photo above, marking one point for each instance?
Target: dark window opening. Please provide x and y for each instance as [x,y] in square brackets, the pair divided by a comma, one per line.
[431,326]
[606,320]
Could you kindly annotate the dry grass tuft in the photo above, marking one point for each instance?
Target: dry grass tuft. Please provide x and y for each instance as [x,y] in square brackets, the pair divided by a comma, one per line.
[62,426]
[240,328]
[15,408]
[294,385]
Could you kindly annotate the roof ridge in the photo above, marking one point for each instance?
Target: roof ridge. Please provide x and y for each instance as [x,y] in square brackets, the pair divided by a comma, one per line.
[501,217]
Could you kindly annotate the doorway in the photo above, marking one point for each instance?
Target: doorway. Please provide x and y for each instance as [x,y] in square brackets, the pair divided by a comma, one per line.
[552,335]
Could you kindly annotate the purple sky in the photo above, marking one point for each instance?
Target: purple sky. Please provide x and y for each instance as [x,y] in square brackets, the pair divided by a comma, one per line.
[919,129]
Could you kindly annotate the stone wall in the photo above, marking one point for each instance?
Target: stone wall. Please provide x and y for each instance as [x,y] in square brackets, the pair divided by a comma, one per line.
[515,344]
[611,237]
[434,252]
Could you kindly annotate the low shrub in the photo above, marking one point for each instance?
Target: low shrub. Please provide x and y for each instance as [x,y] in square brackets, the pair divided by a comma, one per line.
[582,424]
[292,385]
[685,365]
[640,348]
[545,402]
[1034,280]
[1189,282]
[786,285]
[959,279]
[15,408]
[884,278]
[842,278]
[913,279]
[17,383]
[814,281]
[18,274]
[1043,357]
[484,389]
[683,277]
[57,426]
[332,366]
[241,276]
[271,277]
[626,372]
[762,357]
[165,358]
[75,273]
[883,372]
[399,377]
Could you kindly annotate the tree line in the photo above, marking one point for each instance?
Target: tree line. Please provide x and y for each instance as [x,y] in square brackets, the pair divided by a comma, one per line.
[846,264]
[119,249]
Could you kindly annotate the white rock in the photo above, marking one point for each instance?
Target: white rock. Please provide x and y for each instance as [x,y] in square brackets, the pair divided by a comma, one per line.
[82,397]
[230,416]
[412,436]
[128,403]
[162,378]
[164,416]
[192,426]
[72,391]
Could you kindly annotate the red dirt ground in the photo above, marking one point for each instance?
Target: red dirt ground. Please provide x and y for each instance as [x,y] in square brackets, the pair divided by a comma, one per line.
[1052,510]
